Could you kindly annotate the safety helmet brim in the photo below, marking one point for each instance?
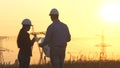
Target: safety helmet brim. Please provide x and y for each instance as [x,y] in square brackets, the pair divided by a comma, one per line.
[54,11]
[26,22]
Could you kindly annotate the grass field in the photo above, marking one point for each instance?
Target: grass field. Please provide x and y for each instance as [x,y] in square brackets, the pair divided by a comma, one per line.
[74,64]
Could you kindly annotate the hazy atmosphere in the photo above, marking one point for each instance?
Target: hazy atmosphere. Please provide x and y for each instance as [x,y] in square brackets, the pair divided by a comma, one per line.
[88,21]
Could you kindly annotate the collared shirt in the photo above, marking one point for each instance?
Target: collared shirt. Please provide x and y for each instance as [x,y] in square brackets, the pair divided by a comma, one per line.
[57,35]
[24,43]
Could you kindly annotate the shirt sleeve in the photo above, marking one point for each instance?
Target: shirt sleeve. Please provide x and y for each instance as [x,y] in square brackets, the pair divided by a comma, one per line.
[68,34]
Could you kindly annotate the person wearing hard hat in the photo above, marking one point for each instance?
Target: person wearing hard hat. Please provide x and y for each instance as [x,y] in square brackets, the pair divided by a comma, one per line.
[25,44]
[56,38]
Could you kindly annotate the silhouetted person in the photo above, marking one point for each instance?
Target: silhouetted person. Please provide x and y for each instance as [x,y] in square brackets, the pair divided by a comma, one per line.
[24,44]
[57,36]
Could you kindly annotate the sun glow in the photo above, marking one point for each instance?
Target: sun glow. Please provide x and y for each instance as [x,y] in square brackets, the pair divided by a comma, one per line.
[110,12]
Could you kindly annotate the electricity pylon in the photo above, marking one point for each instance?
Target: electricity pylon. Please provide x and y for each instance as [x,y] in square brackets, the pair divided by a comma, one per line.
[103,47]
[2,49]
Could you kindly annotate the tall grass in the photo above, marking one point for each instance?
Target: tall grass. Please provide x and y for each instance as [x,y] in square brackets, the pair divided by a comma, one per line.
[74,64]
[81,62]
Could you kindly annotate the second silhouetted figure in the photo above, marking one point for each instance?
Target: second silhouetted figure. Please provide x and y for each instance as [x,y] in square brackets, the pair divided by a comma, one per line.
[56,38]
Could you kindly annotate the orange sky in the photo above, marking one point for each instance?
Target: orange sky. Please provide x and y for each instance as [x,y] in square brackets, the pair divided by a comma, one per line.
[84,18]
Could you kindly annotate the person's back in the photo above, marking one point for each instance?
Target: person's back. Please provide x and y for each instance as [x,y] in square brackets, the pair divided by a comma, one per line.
[60,34]
[56,38]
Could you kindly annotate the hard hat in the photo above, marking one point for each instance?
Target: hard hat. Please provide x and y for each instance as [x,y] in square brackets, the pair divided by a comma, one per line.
[26,22]
[54,12]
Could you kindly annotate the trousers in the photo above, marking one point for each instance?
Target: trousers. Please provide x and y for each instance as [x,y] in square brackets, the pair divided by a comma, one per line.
[57,56]
[24,61]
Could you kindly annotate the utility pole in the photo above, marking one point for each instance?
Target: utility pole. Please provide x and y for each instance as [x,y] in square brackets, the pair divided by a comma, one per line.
[2,49]
[103,47]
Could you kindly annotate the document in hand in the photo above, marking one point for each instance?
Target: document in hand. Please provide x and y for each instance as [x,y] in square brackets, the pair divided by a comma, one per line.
[46,49]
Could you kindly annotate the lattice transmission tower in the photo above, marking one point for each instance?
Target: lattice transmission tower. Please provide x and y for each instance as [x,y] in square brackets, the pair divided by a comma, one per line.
[103,46]
[2,49]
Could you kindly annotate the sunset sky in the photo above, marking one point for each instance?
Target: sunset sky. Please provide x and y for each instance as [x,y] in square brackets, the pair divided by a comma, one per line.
[83,17]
